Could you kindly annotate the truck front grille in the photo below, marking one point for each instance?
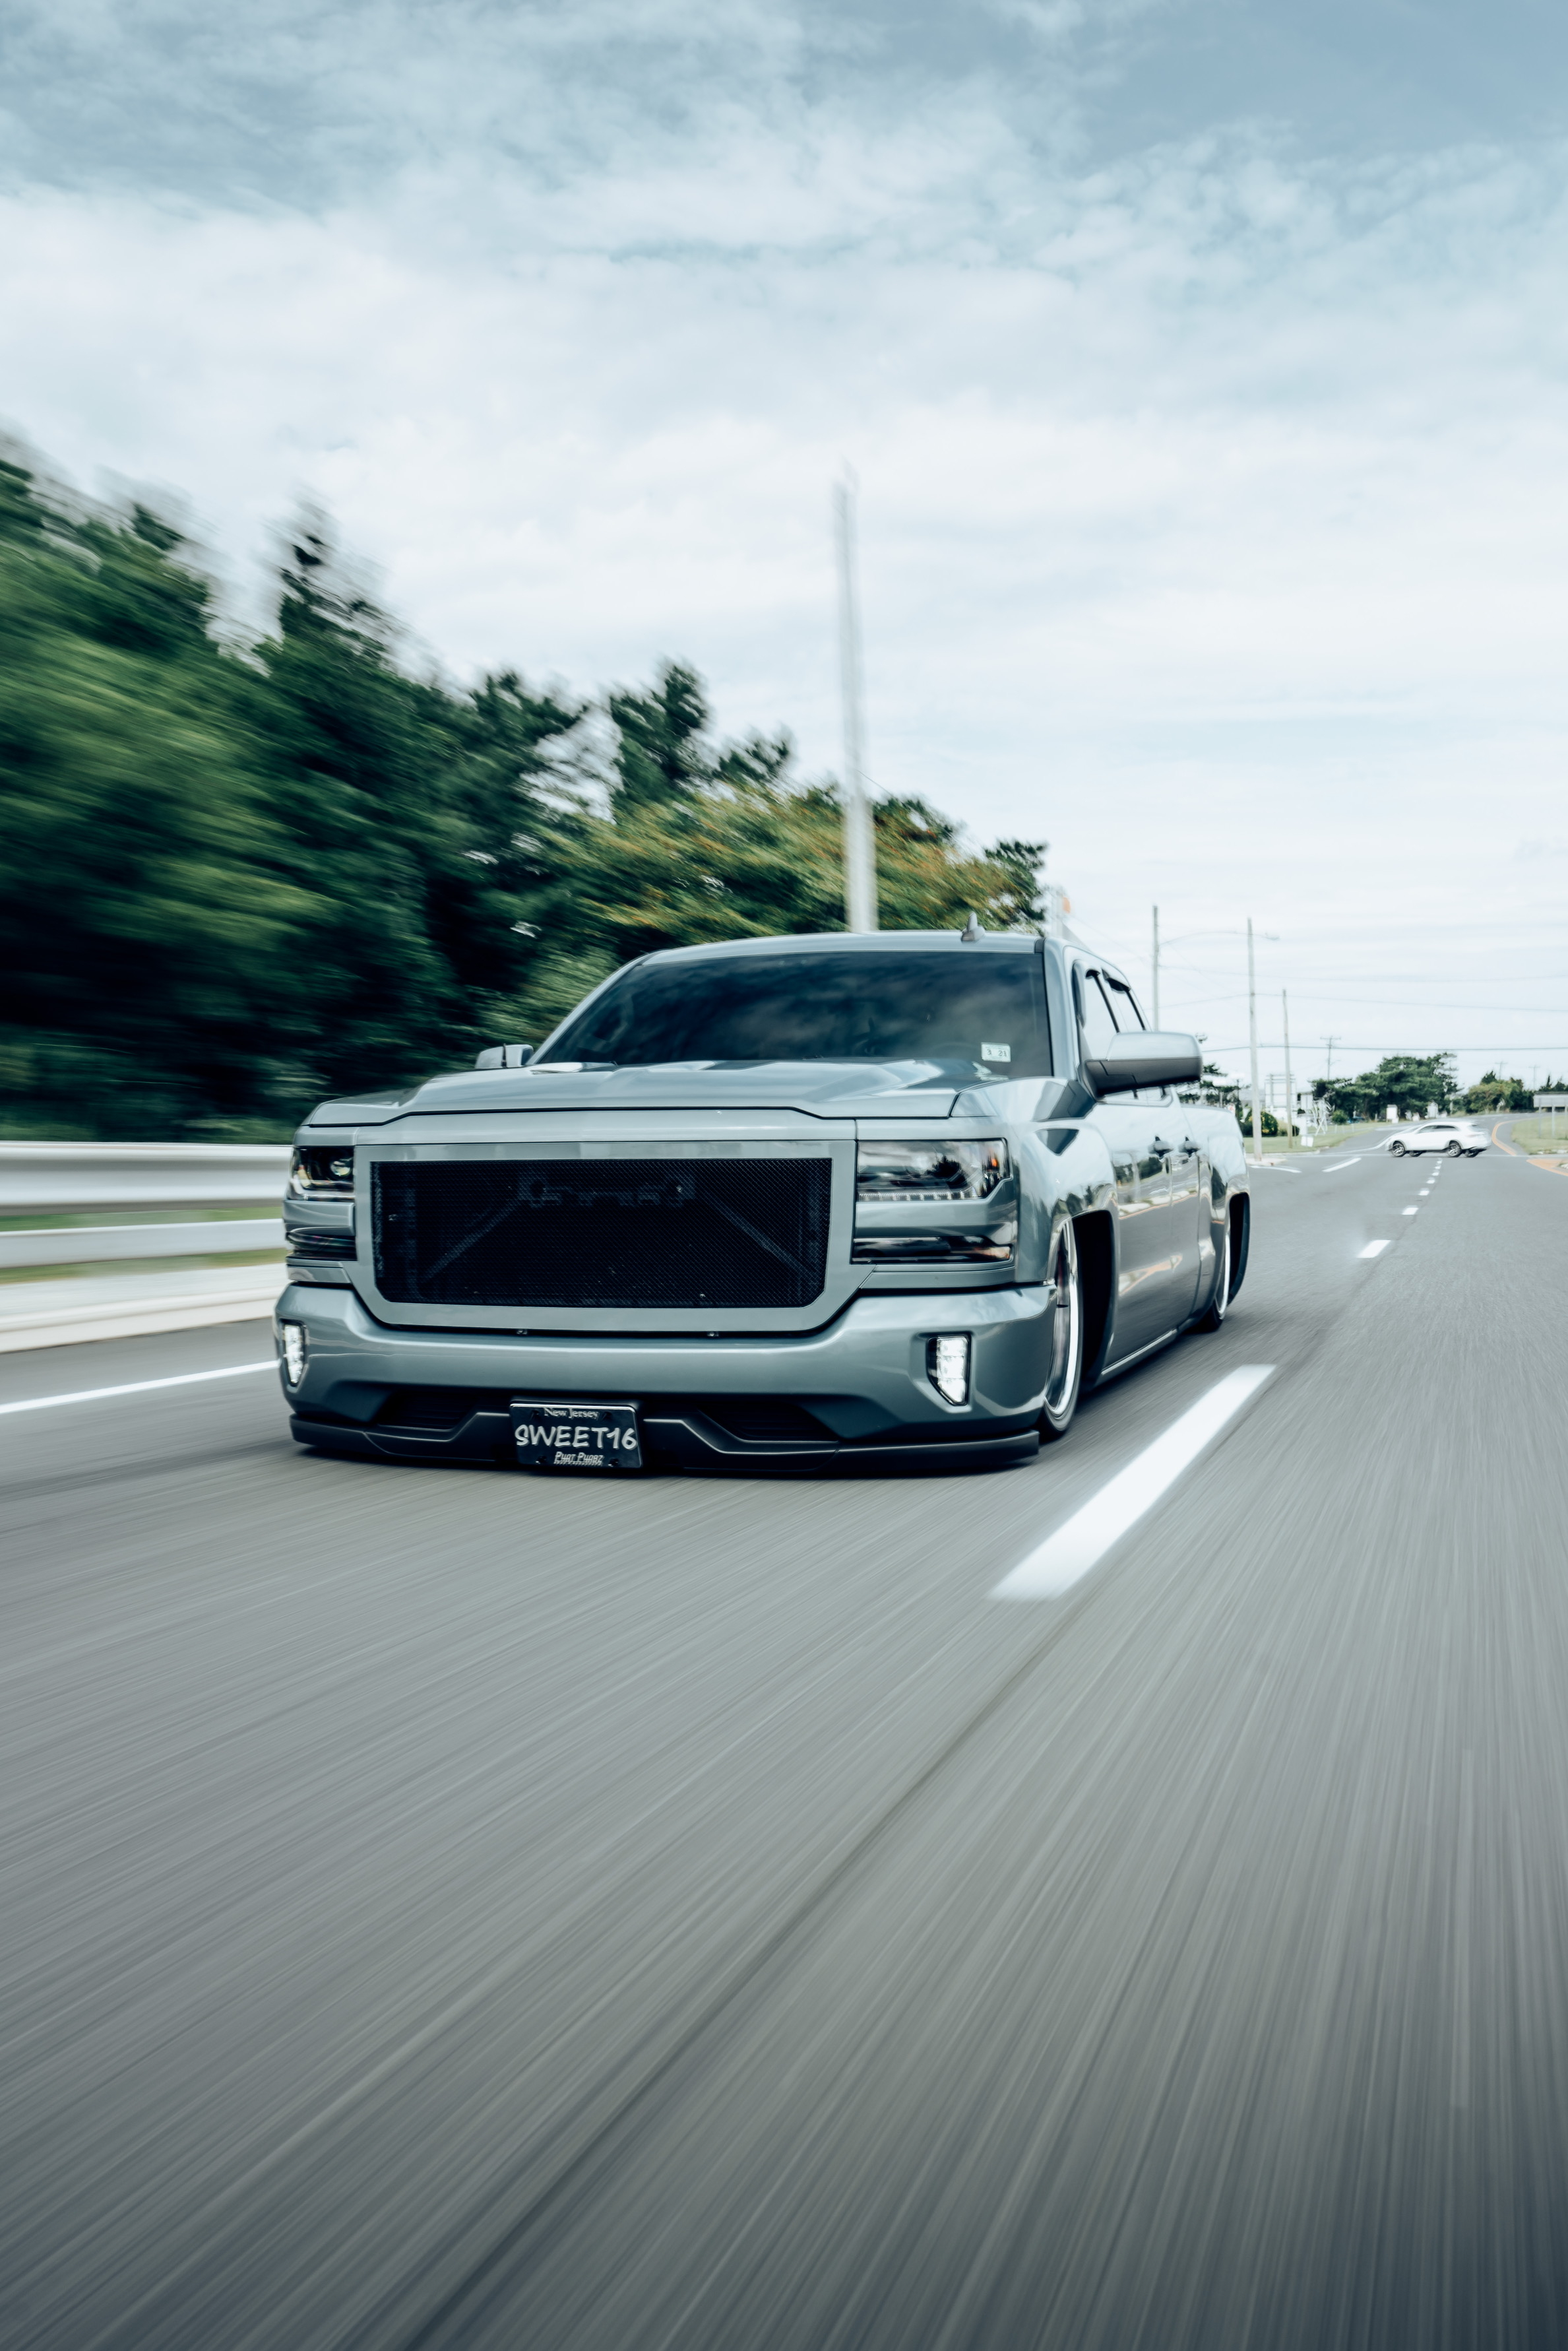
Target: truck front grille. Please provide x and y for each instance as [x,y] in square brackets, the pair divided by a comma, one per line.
[635,1233]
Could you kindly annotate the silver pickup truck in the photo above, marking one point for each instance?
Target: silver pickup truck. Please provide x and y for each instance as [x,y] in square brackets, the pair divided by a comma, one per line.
[894,1200]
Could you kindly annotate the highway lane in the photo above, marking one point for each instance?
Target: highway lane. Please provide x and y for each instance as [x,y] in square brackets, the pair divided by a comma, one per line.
[445,1907]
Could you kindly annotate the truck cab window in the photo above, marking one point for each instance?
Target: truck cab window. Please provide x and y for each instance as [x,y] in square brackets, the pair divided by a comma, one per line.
[1123,1004]
[1095,1015]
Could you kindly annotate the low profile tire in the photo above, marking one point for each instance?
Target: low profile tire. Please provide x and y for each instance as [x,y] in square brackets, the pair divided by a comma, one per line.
[1455,1151]
[1214,1314]
[1065,1370]
[1398,1150]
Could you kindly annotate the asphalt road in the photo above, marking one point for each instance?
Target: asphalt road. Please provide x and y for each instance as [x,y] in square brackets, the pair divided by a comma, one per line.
[441,1908]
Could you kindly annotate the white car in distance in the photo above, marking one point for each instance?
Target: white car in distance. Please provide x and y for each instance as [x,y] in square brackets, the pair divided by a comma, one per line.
[1456,1136]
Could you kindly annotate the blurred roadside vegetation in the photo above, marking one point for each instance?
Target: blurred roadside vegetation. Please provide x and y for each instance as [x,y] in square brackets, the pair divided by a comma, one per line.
[239,876]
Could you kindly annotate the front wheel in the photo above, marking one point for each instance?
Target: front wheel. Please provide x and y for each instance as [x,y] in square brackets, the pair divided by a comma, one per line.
[1215,1313]
[1065,1370]
[1398,1149]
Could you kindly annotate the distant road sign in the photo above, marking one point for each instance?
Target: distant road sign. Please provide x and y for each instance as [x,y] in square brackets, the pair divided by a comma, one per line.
[1552,1102]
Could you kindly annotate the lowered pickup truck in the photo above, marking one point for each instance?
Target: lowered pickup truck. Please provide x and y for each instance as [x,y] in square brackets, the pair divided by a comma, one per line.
[894,1200]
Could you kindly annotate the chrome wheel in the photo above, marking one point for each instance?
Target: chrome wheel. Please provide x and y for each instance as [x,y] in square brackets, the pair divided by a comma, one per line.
[1065,1369]
[1456,1151]
[1398,1150]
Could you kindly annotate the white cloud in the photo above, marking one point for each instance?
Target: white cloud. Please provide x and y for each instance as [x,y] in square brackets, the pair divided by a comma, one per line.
[1212,507]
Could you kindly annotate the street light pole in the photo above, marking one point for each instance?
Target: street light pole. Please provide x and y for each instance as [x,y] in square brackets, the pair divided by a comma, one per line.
[1154,970]
[1252,1036]
[1289,1097]
[860,846]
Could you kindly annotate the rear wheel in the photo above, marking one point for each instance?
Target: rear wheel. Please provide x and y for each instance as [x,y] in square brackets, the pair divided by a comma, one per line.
[1455,1151]
[1215,1314]
[1064,1368]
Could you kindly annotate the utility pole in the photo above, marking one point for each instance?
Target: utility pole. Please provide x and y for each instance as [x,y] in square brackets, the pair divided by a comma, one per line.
[859,845]
[1330,1042]
[1289,1096]
[1154,968]
[1252,1035]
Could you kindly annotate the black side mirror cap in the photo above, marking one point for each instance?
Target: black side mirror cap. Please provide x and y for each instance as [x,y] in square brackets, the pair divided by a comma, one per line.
[503,1056]
[1154,1057]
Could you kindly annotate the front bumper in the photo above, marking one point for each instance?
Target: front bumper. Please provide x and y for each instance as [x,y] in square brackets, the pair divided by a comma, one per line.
[855,1394]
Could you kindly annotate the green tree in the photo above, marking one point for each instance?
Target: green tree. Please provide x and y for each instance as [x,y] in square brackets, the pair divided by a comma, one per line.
[712,841]
[1492,1093]
[432,813]
[1410,1080]
[144,909]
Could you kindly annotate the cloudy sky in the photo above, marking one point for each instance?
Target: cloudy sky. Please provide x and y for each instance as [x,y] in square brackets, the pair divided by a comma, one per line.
[1203,363]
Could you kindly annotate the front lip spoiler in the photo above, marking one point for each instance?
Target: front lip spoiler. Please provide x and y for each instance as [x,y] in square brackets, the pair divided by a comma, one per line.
[682,1440]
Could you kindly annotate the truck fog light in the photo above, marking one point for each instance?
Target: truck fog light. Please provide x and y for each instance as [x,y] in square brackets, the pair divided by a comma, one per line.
[947,1367]
[295,1347]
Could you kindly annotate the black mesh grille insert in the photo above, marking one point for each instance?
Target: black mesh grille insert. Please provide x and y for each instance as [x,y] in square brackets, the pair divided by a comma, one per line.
[438,1412]
[766,1420]
[602,1232]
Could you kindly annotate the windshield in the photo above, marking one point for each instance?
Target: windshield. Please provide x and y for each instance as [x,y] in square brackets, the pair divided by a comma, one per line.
[986,1009]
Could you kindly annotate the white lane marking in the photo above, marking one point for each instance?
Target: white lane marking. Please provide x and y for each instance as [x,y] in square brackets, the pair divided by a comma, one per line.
[1411,1212]
[139,1387]
[1088,1534]
[1374,1249]
[1336,1166]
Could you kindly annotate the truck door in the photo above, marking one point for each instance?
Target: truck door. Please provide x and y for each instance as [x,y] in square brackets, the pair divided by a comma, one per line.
[1185,1162]
[1155,1169]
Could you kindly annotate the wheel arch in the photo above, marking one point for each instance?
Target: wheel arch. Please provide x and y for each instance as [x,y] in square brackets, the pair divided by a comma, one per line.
[1240,1217]
[1095,1242]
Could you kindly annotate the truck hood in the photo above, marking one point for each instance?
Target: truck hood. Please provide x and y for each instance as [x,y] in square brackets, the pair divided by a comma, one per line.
[824,1088]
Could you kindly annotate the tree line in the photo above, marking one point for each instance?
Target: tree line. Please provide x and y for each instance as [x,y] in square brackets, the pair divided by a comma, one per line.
[1415,1083]
[238,875]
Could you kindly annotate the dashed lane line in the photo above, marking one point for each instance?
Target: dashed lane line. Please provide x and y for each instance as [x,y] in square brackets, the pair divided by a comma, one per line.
[1057,1563]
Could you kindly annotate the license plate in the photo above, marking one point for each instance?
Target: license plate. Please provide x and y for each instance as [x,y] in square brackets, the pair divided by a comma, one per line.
[593,1437]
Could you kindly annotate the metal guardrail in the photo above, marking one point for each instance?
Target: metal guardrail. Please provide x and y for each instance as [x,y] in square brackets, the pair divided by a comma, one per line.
[39,1178]
[60,1178]
[100,1244]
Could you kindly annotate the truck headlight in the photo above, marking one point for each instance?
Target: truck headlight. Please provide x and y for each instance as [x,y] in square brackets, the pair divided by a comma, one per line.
[930,1170]
[295,1345]
[321,1172]
[934,1203]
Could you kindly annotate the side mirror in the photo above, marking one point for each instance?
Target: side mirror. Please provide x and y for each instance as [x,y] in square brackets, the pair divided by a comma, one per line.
[503,1056]
[1156,1057]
